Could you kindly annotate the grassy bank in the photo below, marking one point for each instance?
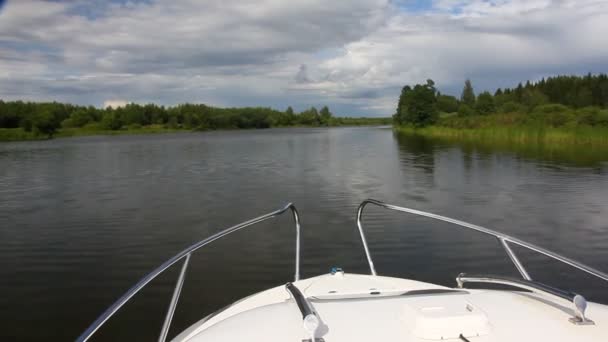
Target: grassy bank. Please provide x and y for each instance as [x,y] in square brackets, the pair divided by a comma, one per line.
[590,136]
[429,139]
[17,134]
[84,131]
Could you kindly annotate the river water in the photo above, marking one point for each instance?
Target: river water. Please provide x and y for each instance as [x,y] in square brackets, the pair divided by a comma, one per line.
[82,219]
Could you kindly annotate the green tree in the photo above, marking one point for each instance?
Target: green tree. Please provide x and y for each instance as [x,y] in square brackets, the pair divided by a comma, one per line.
[288,118]
[555,115]
[291,116]
[518,92]
[511,107]
[45,122]
[315,114]
[584,98]
[485,104]
[419,106]
[401,113]
[111,120]
[468,94]
[9,118]
[532,98]
[132,114]
[325,116]
[447,104]
[465,110]
[80,117]
[309,117]
[173,123]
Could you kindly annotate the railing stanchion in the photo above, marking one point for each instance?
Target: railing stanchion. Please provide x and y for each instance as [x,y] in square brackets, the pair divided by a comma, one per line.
[176,292]
[503,238]
[296,219]
[363,240]
[520,267]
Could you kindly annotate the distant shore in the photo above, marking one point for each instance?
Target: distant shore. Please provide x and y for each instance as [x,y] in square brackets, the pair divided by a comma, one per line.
[44,120]
[19,134]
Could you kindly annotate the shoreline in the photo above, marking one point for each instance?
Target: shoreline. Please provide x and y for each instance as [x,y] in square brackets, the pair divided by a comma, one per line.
[18,134]
[525,135]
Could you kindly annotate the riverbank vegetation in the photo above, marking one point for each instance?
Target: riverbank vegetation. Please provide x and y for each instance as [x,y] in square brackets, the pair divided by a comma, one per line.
[29,120]
[562,109]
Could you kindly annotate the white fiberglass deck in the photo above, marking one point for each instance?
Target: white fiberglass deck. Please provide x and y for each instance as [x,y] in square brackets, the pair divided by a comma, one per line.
[372,308]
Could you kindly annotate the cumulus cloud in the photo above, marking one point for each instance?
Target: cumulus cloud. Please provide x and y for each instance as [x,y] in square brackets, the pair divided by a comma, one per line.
[494,43]
[354,55]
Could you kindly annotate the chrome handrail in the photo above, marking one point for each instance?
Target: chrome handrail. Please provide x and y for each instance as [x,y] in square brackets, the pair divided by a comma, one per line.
[186,254]
[578,302]
[503,238]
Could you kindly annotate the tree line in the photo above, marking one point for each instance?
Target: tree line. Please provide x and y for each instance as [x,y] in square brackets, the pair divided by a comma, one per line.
[580,99]
[47,118]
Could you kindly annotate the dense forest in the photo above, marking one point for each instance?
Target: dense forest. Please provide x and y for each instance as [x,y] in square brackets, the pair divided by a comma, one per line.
[561,101]
[45,119]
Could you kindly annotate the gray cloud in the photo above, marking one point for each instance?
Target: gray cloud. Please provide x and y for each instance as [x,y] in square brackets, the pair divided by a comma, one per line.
[352,55]
[302,75]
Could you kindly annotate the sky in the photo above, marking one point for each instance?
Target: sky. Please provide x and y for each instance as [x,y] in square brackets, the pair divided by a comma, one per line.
[353,56]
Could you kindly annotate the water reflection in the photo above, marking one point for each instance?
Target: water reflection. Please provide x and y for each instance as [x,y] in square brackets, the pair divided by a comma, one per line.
[590,156]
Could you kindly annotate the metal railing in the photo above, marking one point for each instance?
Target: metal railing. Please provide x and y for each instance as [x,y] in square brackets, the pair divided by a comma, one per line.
[185,254]
[502,238]
[579,303]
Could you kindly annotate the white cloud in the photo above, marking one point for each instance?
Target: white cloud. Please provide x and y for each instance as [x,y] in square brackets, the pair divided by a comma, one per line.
[115,103]
[352,54]
[482,41]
